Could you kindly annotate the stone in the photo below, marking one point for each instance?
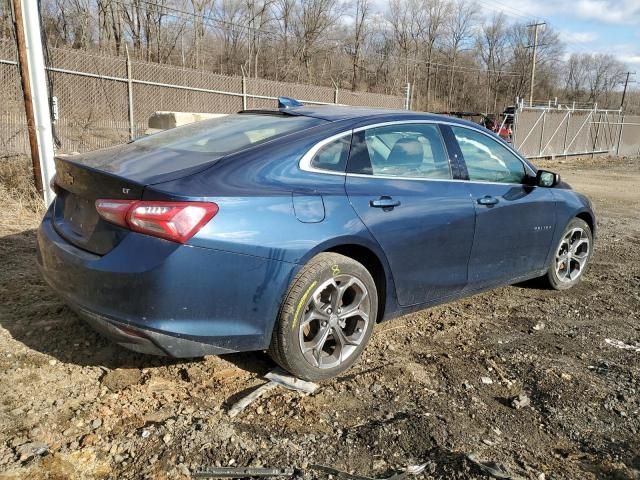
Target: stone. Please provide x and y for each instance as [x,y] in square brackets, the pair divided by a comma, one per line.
[121,378]
[520,401]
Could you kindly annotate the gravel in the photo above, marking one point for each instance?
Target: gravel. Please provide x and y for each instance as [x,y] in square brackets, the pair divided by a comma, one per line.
[561,402]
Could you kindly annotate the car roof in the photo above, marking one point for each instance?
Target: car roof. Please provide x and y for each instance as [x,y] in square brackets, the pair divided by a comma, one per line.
[343,112]
[334,113]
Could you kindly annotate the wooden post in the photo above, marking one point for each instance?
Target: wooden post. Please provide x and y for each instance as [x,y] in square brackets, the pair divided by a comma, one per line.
[18,24]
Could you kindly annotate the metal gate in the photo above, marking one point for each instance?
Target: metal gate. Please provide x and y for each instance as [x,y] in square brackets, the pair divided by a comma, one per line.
[562,130]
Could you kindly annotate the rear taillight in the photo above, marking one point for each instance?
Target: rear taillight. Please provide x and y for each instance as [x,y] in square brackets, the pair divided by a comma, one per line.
[114,211]
[175,221]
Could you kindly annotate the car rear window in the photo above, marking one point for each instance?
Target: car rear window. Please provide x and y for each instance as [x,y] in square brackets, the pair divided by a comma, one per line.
[220,136]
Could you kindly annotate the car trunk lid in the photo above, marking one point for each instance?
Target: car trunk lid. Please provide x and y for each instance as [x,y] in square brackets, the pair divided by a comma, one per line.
[112,174]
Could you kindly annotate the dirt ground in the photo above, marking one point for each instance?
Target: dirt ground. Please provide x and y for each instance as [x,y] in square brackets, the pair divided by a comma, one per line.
[72,405]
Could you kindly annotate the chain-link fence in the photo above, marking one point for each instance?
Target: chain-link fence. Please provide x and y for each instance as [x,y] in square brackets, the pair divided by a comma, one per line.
[93,94]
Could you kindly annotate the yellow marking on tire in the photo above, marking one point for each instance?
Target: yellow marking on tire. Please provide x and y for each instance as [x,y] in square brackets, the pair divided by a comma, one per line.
[301,303]
[335,269]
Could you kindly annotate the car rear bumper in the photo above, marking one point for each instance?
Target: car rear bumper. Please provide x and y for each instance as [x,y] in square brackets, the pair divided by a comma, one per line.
[160,297]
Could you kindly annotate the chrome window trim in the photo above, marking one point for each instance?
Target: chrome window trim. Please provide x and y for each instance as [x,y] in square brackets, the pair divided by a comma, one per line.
[305,161]
[415,179]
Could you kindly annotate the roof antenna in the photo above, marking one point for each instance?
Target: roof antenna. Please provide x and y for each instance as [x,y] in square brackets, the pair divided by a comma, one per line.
[288,102]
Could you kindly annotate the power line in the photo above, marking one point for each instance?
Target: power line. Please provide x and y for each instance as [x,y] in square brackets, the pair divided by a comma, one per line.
[244,28]
[501,8]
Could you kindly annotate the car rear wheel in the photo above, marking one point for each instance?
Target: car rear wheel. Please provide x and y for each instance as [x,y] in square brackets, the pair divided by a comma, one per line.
[326,319]
[571,256]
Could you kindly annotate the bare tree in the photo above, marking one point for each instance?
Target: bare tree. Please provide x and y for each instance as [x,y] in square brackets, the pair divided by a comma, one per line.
[604,74]
[459,32]
[444,48]
[492,45]
[576,71]
[312,19]
[435,13]
[360,32]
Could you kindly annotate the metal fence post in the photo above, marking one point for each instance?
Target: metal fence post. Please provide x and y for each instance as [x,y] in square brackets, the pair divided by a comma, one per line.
[595,142]
[566,133]
[132,132]
[407,100]
[620,134]
[544,117]
[514,128]
[244,91]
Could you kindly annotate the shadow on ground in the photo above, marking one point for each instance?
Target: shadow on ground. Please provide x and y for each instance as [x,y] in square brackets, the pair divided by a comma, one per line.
[35,316]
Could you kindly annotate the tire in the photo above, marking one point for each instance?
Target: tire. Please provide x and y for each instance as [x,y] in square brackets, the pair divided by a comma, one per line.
[333,298]
[558,277]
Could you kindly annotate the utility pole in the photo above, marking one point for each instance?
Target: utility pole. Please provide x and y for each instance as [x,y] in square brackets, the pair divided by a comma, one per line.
[533,58]
[624,92]
[36,97]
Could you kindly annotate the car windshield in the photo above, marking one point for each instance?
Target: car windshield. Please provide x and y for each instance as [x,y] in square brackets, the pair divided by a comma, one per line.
[220,136]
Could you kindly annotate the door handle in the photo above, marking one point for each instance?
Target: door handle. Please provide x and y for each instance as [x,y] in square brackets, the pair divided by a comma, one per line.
[488,200]
[385,202]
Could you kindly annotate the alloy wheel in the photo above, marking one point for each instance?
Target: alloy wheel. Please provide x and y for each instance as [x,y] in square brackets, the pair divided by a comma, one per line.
[572,255]
[334,321]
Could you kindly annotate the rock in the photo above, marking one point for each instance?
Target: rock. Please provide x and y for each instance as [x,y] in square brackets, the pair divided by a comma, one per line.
[17,441]
[167,439]
[486,380]
[97,423]
[31,449]
[145,434]
[121,378]
[538,326]
[379,464]
[520,401]
[89,439]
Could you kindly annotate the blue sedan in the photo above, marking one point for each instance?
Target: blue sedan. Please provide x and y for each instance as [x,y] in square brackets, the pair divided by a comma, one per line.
[297,230]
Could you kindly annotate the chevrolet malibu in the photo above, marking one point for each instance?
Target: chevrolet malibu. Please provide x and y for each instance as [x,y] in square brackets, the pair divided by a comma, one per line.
[297,230]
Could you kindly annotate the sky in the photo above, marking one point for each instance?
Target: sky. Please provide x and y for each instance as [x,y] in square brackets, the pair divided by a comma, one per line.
[598,26]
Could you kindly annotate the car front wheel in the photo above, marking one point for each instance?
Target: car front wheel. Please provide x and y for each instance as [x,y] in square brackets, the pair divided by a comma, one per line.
[571,255]
[326,319]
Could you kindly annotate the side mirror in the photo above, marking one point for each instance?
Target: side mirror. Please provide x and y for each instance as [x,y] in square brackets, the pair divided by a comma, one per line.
[545,178]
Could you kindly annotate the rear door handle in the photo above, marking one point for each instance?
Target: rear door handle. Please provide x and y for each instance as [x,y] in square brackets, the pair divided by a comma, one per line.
[385,202]
[488,200]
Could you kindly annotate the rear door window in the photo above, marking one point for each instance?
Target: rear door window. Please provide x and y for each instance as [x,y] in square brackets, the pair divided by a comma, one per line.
[412,150]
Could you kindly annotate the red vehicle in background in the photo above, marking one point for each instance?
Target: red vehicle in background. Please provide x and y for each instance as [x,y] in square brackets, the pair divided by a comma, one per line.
[502,128]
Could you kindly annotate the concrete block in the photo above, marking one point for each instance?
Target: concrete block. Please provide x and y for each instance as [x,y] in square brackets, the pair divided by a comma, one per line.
[159,121]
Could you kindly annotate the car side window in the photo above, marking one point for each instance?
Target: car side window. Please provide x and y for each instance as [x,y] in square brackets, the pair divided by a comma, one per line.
[414,150]
[486,159]
[333,155]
